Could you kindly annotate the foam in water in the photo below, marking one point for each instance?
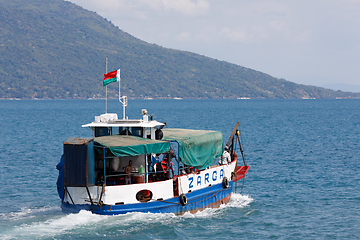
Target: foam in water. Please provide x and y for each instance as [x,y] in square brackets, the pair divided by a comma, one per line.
[127,223]
[53,226]
[28,213]
[236,201]
[239,201]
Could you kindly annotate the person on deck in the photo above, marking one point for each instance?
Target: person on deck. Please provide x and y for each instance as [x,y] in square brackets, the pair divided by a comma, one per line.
[164,164]
[226,157]
[128,171]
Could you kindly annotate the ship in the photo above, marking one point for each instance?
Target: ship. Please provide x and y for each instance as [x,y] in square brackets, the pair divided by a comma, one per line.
[141,165]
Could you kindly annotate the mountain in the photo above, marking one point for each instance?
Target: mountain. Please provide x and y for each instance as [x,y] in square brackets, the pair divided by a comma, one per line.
[343,87]
[56,49]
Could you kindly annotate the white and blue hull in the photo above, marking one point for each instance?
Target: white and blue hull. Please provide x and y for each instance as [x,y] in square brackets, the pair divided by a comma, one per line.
[208,188]
[212,196]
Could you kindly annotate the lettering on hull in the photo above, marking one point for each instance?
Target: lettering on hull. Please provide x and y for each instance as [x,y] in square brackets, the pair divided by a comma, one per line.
[205,179]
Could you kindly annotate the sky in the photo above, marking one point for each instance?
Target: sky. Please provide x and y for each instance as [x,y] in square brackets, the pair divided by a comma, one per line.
[313,42]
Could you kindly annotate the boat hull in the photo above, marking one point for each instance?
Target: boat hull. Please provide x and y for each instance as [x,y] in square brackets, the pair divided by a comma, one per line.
[209,197]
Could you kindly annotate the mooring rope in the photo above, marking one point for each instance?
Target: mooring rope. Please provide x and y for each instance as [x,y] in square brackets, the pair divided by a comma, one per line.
[214,195]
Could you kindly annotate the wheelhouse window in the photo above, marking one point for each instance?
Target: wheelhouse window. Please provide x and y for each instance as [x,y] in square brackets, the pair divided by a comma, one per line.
[101,131]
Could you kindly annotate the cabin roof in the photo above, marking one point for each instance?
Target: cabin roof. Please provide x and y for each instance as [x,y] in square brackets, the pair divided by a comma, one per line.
[125,123]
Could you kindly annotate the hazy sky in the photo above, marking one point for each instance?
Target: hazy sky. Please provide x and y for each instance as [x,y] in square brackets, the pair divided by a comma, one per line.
[313,42]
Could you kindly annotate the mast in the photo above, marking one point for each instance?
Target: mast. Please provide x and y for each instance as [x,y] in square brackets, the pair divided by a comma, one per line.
[106,70]
[123,99]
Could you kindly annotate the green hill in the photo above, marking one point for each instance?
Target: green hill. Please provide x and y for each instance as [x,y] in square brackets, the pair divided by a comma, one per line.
[56,49]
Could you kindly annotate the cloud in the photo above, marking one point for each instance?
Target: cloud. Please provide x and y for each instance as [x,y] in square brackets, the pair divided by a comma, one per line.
[203,37]
[145,8]
[280,37]
[187,7]
[235,35]
[183,36]
[261,21]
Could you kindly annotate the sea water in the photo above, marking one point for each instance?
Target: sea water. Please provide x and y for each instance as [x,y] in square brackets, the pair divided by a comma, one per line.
[303,182]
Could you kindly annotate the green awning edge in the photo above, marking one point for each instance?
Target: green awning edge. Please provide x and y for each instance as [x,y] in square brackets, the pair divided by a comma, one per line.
[125,146]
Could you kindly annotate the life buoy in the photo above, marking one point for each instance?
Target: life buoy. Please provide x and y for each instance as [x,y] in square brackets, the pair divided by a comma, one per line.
[183,199]
[225,182]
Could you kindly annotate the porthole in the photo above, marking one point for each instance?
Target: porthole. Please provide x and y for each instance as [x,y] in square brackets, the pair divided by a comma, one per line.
[144,195]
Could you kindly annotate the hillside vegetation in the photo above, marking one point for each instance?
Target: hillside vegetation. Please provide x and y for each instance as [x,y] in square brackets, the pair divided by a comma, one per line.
[56,49]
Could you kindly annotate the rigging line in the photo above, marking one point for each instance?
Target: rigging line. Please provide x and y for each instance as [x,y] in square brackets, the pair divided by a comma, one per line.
[166,201]
[242,185]
[102,191]
[241,151]
[214,195]
[69,196]
[234,147]
[87,189]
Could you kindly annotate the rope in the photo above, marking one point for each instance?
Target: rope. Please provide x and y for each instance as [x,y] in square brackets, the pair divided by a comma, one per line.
[242,185]
[214,195]
[69,196]
[165,201]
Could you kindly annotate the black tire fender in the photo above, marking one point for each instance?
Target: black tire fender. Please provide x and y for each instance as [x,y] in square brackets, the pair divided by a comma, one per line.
[183,199]
[225,182]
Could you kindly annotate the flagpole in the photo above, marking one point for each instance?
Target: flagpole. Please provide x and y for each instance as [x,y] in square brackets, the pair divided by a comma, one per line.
[106,85]
[120,96]
[119,88]
[122,100]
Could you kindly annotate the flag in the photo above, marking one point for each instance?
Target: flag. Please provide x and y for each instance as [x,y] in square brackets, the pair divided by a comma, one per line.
[110,77]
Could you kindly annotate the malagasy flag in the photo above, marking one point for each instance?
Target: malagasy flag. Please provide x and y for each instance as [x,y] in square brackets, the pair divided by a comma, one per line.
[110,77]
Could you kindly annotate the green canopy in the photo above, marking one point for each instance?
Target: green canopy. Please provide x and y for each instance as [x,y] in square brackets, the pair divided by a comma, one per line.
[198,148]
[124,146]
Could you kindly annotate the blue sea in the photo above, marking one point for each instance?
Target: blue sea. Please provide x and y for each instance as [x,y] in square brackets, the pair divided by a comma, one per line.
[303,182]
